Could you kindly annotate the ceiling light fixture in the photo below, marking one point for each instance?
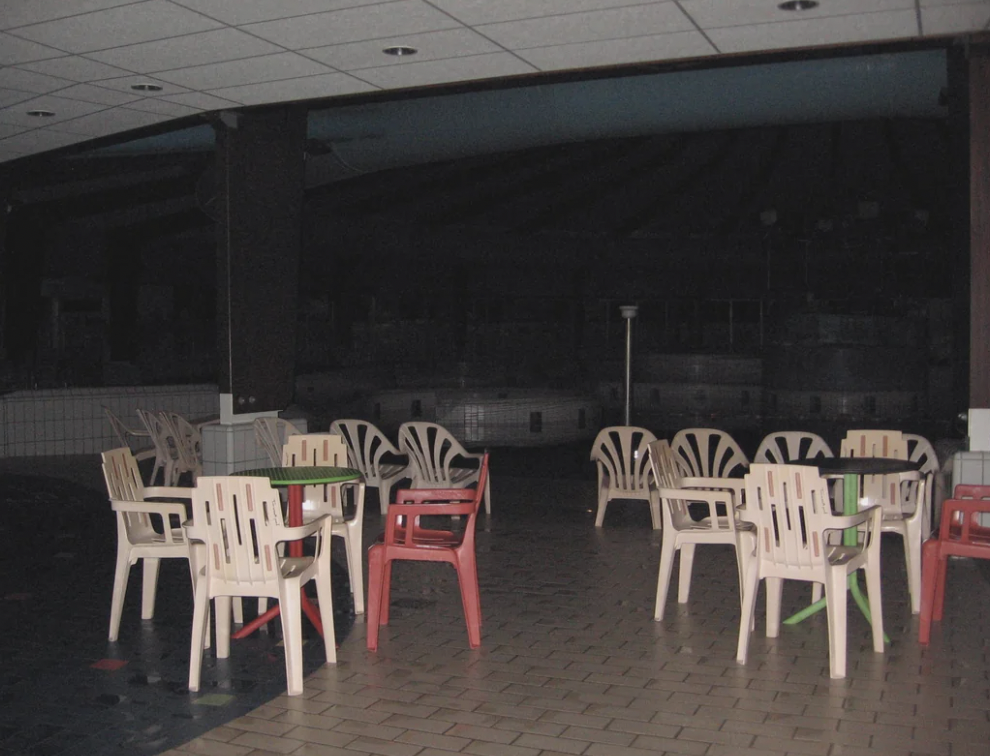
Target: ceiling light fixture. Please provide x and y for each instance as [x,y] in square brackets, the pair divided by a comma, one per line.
[146,87]
[41,113]
[798,5]
[400,50]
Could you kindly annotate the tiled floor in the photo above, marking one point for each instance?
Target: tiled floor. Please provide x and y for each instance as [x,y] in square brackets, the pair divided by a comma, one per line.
[572,663]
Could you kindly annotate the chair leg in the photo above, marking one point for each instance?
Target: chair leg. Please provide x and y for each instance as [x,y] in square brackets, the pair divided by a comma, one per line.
[874,594]
[836,606]
[291,616]
[751,583]
[929,575]
[775,587]
[488,495]
[667,551]
[120,573]
[324,593]
[684,573]
[223,625]
[938,606]
[354,565]
[386,602]
[201,603]
[470,601]
[149,586]
[602,503]
[912,560]
[375,575]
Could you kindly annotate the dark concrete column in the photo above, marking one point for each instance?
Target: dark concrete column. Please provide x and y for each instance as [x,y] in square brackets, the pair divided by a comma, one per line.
[260,184]
[979,226]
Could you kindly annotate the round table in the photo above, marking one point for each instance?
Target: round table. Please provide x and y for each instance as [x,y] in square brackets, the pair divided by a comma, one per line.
[851,469]
[295,480]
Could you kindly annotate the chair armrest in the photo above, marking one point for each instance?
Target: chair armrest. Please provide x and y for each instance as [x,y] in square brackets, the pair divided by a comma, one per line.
[710,498]
[844,522]
[736,485]
[407,496]
[167,492]
[163,508]
[298,532]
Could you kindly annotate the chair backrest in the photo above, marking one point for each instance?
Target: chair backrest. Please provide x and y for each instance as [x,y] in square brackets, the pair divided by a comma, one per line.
[884,490]
[123,433]
[189,439]
[400,533]
[621,452]
[783,447]
[666,470]
[920,450]
[240,520]
[270,434]
[314,450]
[431,449]
[708,453]
[122,475]
[366,446]
[790,506]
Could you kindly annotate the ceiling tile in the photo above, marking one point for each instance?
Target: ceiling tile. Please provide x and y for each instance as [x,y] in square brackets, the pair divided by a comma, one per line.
[10,97]
[124,84]
[201,101]
[956,18]
[8,129]
[74,67]
[475,12]
[710,14]
[450,69]
[125,25]
[617,23]
[253,11]
[174,109]
[616,51]
[22,12]
[110,121]
[29,81]
[309,87]
[99,95]
[39,140]
[449,43]
[353,24]
[190,50]
[15,50]
[246,71]
[63,108]
[822,31]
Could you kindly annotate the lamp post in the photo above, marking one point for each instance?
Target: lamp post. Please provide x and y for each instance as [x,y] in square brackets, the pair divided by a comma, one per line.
[628,313]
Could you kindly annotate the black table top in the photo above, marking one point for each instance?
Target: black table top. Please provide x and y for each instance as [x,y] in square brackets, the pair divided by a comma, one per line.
[860,465]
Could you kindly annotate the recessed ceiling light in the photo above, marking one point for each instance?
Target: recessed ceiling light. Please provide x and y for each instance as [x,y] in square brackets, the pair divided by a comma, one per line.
[400,50]
[146,87]
[40,113]
[798,5]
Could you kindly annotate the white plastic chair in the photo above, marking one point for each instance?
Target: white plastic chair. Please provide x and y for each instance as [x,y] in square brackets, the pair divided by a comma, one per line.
[433,451]
[170,456]
[190,441]
[893,494]
[137,535]
[920,450]
[131,437]
[783,447]
[708,453]
[370,451]
[270,434]
[620,456]
[329,450]
[239,519]
[789,504]
[682,532]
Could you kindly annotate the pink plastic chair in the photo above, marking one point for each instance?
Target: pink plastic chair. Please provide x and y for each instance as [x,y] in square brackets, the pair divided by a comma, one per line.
[405,538]
[960,533]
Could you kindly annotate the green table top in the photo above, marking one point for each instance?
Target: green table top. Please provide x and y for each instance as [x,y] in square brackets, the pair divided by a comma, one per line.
[294,476]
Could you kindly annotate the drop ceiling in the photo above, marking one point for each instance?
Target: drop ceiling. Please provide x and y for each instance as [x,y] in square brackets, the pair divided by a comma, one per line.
[75,63]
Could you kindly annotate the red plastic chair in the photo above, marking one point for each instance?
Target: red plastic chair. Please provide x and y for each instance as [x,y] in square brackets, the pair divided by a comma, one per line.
[960,534]
[406,538]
